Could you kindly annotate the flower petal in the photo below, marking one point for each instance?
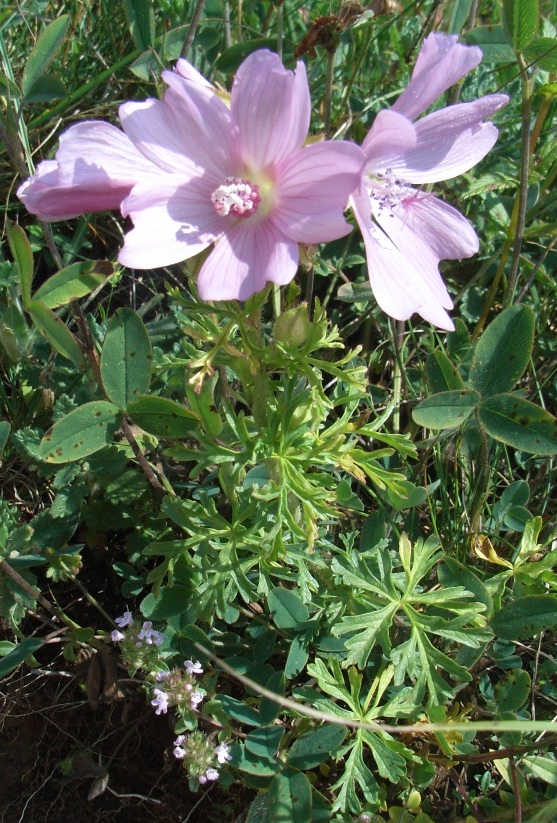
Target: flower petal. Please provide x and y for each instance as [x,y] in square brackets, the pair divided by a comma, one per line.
[245,259]
[152,127]
[442,61]
[185,69]
[441,227]
[271,107]
[96,166]
[201,125]
[450,141]
[404,280]
[313,189]
[173,218]
[391,135]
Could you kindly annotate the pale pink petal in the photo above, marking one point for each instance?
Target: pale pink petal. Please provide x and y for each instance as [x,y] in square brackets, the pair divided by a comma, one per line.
[442,61]
[153,129]
[450,142]
[313,190]
[173,219]
[245,259]
[103,150]
[96,166]
[185,69]
[208,134]
[271,107]
[442,228]
[404,280]
[391,135]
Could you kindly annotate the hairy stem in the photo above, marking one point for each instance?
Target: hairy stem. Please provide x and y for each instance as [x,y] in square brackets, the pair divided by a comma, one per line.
[194,22]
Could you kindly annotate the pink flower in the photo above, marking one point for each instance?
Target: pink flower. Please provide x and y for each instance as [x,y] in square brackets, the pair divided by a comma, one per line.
[191,172]
[96,166]
[408,231]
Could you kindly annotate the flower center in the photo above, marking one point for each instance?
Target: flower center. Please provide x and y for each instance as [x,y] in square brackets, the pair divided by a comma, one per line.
[390,194]
[236,196]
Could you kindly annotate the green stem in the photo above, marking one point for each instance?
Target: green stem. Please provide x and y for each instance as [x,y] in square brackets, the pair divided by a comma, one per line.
[327,100]
[197,12]
[505,251]
[66,102]
[523,191]
[280,29]
[361,56]
[35,594]
[398,338]
[276,300]
[480,492]
[227,30]
[260,377]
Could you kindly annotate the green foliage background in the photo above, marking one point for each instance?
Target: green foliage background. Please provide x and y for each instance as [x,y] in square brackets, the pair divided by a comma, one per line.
[350,521]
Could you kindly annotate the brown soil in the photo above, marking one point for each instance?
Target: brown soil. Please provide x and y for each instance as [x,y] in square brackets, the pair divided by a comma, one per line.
[56,752]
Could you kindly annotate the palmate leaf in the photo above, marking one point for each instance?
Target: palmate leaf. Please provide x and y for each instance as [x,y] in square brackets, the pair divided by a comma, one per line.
[418,660]
[418,560]
[381,596]
[373,628]
[332,682]
[356,775]
[355,571]
[387,754]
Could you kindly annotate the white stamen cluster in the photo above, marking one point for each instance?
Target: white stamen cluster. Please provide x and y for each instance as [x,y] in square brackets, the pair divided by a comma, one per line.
[238,197]
[388,193]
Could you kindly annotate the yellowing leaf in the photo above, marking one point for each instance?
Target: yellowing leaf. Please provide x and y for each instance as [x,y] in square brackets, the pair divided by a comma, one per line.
[483,547]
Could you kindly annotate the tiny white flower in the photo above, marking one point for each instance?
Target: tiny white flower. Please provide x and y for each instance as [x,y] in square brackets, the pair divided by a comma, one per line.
[212,774]
[161,675]
[116,636]
[150,635]
[125,620]
[196,698]
[193,667]
[179,752]
[160,700]
[222,754]
[158,637]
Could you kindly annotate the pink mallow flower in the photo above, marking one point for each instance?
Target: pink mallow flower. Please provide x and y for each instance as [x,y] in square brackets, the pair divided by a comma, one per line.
[192,172]
[408,231]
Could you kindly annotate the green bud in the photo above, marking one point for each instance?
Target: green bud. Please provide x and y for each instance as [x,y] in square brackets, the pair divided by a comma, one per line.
[293,326]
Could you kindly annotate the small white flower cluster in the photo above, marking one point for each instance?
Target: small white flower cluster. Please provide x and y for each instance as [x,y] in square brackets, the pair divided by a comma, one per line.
[198,755]
[139,643]
[147,635]
[179,688]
